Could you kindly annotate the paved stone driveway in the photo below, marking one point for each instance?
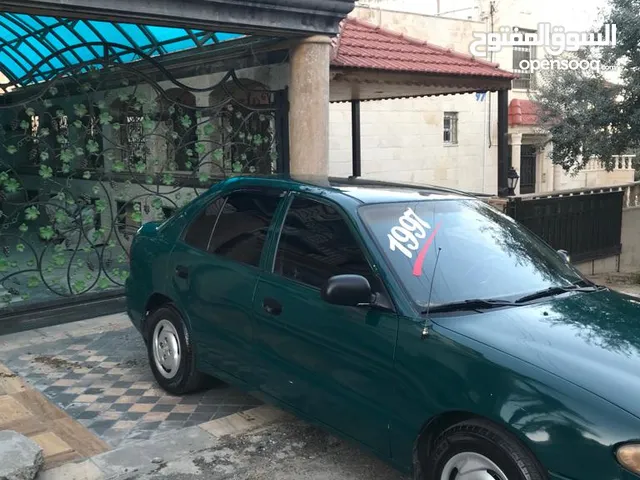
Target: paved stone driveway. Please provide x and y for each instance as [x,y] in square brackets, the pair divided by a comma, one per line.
[103,380]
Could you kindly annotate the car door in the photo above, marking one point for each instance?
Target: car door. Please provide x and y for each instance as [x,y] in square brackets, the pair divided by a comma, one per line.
[333,363]
[216,267]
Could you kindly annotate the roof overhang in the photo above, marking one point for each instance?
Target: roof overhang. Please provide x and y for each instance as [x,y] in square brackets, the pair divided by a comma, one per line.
[263,17]
[362,84]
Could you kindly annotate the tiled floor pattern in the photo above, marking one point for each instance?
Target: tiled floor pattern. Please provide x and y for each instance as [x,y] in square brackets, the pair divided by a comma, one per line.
[26,411]
[104,382]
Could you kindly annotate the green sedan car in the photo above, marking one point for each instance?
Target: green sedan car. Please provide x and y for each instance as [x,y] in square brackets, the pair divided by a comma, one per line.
[422,324]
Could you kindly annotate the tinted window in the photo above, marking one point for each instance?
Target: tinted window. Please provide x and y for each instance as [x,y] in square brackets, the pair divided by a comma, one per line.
[242,228]
[199,232]
[483,253]
[317,244]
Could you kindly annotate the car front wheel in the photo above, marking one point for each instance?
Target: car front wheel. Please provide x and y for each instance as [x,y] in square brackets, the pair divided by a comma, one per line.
[171,352]
[478,450]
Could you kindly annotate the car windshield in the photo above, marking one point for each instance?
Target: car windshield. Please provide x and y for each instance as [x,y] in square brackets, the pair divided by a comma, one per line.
[482,253]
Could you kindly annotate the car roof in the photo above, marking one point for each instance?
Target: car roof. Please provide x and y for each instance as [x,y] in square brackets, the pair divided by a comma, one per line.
[362,190]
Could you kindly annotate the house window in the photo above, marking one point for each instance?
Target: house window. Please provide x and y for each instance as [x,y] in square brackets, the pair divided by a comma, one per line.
[520,54]
[451,128]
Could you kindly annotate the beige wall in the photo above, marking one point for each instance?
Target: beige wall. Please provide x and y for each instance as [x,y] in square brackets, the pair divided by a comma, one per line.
[402,140]
[630,258]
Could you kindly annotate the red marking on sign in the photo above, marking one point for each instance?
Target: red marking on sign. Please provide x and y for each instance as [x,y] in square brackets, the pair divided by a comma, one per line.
[417,267]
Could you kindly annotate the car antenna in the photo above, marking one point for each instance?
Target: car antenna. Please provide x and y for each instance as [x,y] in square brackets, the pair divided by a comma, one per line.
[425,330]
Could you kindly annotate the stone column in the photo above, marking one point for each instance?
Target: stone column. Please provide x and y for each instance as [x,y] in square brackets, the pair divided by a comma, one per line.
[309,106]
[516,144]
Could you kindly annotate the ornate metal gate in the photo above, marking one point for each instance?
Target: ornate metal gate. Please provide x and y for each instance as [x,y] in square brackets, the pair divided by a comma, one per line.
[87,156]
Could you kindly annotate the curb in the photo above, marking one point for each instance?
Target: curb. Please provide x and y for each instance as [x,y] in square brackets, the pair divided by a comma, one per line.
[148,456]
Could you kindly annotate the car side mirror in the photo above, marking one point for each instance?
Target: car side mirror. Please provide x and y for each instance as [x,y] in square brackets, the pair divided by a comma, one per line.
[347,290]
[565,255]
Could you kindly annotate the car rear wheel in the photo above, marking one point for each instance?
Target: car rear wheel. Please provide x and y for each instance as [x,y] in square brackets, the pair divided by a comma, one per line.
[478,450]
[171,353]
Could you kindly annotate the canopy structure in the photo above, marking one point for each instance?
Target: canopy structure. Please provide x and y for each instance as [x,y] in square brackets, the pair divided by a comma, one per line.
[373,63]
[36,48]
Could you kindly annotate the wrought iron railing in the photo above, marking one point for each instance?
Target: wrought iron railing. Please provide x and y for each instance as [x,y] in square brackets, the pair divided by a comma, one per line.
[86,158]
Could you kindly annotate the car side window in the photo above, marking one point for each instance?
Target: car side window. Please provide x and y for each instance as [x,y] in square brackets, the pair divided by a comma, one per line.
[199,232]
[316,244]
[242,227]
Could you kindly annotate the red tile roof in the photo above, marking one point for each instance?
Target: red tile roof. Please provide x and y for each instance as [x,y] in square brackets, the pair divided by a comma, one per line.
[362,45]
[523,112]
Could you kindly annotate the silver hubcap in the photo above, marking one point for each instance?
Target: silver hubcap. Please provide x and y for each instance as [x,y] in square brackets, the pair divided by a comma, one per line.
[166,349]
[471,466]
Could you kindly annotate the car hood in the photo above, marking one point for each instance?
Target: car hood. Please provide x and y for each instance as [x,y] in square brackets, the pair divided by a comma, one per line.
[589,339]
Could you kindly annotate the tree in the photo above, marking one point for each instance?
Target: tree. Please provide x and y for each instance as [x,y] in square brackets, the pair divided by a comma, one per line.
[585,114]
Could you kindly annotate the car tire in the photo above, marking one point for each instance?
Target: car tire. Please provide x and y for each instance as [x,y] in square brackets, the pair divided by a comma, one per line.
[480,445]
[171,352]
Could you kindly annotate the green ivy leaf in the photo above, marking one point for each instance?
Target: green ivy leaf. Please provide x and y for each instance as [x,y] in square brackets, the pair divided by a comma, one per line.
[44,132]
[122,258]
[188,165]
[95,190]
[124,275]
[149,180]
[11,149]
[80,109]
[30,111]
[201,148]
[4,176]
[79,152]
[209,129]
[13,264]
[59,260]
[189,152]
[116,126]
[33,282]
[79,286]
[141,167]
[66,168]
[77,124]
[25,296]
[46,233]
[12,185]
[88,275]
[104,283]
[136,217]
[111,244]
[148,124]
[101,205]
[4,265]
[20,247]
[45,171]
[174,135]
[53,91]
[217,154]
[105,118]
[30,213]
[203,177]
[86,175]
[24,125]
[118,166]
[92,146]
[31,263]
[237,167]
[167,179]
[67,155]
[59,248]
[61,216]
[156,202]
[44,156]
[62,140]
[23,228]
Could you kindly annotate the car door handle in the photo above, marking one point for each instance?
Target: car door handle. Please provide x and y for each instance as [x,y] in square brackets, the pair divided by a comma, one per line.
[182,271]
[272,306]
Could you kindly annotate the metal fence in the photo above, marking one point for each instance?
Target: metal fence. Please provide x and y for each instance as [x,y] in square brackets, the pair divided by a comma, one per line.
[587,224]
